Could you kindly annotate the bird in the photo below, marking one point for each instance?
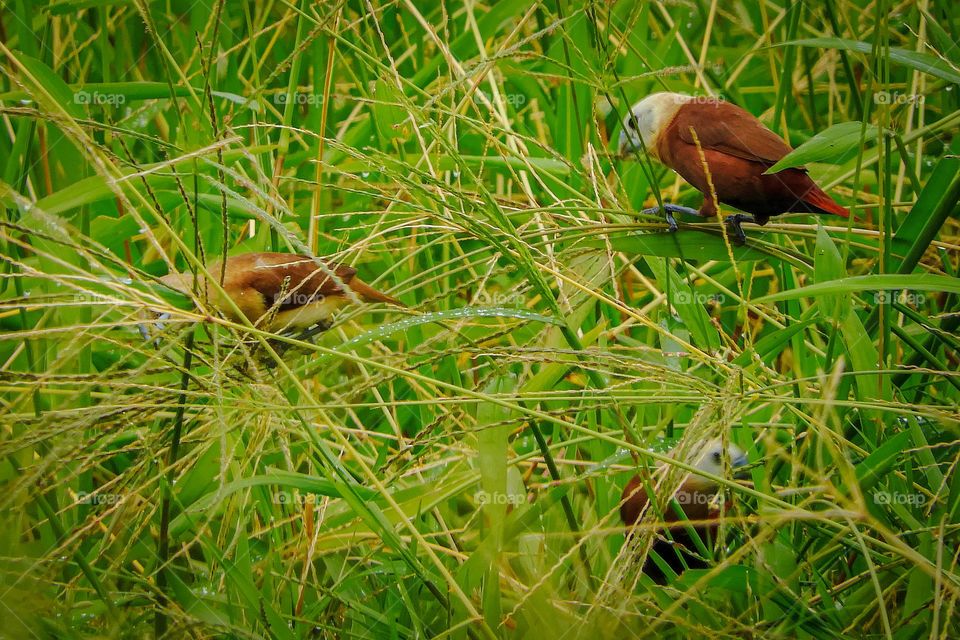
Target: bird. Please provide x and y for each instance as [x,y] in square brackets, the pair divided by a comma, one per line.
[737,149]
[696,495]
[281,292]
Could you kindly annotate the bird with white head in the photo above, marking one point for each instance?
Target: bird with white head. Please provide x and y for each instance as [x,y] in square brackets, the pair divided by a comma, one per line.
[696,495]
[725,153]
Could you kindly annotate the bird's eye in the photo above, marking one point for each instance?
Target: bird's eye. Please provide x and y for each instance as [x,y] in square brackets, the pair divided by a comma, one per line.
[632,123]
[717,457]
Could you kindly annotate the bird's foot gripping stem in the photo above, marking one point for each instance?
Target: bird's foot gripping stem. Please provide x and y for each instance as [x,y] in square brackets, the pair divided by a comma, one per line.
[281,348]
[320,327]
[734,222]
[158,325]
[668,211]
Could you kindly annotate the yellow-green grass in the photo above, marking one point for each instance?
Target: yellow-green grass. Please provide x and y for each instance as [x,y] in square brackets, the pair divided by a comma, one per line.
[454,469]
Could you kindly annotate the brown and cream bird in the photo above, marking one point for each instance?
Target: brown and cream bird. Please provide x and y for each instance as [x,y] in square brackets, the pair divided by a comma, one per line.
[282,291]
[696,495]
[737,150]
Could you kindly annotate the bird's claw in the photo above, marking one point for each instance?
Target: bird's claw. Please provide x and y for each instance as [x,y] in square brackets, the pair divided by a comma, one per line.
[668,211]
[671,222]
[320,327]
[734,221]
[158,325]
[281,348]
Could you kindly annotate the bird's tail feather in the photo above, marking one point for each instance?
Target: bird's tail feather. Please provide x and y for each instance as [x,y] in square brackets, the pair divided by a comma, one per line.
[820,200]
[370,294]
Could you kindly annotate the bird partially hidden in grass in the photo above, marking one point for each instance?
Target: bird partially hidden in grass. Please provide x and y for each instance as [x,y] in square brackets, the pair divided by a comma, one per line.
[720,148]
[282,292]
[697,496]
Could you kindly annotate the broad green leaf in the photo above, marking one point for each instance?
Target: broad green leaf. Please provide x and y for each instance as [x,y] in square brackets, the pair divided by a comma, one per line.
[95,189]
[925,456]
[692,244]
[493,433]
[936,203]
[43,82]
[923,62]
[493,430]
[833,145]
[828,266]
[878,464]
[674,335]
[388,116]
[877,282]
[118,93]
[920,585]
[864,359]
[946,45]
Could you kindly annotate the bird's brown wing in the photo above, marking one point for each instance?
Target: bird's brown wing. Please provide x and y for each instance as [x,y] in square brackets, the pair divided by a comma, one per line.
[292,280]
[694,500]
[633,501]
[727,128]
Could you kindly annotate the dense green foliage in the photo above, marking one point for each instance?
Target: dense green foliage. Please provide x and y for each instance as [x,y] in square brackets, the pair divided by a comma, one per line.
[454,469]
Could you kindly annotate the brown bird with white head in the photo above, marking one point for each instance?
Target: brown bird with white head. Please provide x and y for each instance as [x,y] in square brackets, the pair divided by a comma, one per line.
[737,150]
[696,495]
[282,291]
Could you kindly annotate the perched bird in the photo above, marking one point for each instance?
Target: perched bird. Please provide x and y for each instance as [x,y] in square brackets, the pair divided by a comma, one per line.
[695,495]
[737,148]
[282,291]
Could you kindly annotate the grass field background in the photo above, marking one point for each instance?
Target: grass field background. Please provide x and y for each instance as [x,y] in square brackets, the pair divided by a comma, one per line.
[454,469]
